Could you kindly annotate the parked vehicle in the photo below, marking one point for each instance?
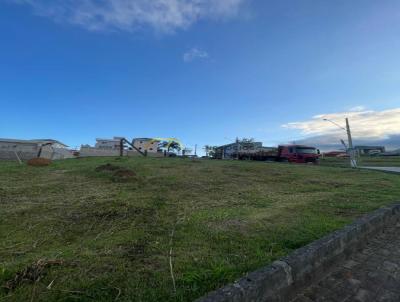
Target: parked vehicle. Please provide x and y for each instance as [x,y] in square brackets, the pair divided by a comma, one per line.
[298,154]
[286,153]
[336,154]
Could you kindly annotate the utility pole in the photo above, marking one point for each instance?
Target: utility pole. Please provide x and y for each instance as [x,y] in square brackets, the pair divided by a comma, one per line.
[353,161]
[121,147]
[195,149]
[237,148]
[350,149]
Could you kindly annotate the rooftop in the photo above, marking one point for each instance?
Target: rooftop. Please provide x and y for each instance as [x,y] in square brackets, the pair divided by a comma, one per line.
[32,141]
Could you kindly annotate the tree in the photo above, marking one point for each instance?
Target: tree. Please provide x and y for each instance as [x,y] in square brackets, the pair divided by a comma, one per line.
[170,146]
[207,149]
[210,150]
[175,146]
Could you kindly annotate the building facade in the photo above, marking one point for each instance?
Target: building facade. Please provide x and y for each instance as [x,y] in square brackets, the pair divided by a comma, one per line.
[108,144]
[148,145]
[369,150]
[112,147]
[230,151]
[12,149]
[103,147]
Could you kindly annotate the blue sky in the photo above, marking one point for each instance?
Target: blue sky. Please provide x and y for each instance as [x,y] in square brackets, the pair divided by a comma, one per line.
[204,71]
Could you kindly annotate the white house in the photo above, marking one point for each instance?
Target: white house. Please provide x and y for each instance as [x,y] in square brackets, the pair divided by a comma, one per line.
[108,144]
[112,147]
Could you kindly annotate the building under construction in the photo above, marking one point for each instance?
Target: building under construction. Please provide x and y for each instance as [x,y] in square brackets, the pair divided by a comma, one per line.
[119,146]
[231,151]
[18,149]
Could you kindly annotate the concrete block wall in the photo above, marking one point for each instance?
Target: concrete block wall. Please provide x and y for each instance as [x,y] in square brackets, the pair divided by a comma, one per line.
[284,278]
[10,155]
[25,151]
[91,151]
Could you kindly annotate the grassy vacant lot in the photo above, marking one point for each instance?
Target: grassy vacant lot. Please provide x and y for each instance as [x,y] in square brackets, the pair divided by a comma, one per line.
[71,233]
[381,161]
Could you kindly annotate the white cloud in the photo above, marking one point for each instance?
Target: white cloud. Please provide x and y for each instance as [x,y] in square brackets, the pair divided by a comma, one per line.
[357,108]
[365,124]
[194,54]
[130,15]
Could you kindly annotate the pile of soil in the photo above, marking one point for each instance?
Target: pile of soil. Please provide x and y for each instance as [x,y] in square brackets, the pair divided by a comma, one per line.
[39,162]
[119,174]
[123,174]
[107,168]
[31,273]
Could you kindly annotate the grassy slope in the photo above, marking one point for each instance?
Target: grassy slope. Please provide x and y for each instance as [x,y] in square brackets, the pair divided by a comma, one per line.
[228,218]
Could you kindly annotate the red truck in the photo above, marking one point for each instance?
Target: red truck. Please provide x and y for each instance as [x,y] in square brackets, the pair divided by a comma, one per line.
[298,154]
[286,153]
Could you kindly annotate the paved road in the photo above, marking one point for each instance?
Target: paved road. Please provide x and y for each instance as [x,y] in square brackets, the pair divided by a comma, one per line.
[368,276]
[385,169]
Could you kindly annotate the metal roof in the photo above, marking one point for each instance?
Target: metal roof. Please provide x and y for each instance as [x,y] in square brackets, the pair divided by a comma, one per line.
[144,139]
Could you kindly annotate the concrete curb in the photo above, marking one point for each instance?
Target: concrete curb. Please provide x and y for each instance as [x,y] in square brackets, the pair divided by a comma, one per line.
[390,170]
[284,278]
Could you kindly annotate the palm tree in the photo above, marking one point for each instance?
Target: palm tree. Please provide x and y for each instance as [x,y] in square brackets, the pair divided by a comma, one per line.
[207,149]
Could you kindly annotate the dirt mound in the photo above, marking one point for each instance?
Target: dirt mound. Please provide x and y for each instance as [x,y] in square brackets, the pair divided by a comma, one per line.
[39,162]
[107,168]
[119,174]
[31,273]
[123,174]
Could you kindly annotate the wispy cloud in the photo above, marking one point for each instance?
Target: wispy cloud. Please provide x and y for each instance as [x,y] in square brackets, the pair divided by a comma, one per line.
[194,54]
[364,123]
[331,142]
[357,108]
[131,15]
[367,126]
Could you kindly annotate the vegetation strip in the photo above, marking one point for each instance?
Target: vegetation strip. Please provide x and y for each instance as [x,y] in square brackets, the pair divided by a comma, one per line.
[282,280]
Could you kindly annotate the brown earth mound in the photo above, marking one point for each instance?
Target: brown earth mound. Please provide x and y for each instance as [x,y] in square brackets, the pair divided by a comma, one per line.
[39,162]
[124,175]
[107,167]
[119,174]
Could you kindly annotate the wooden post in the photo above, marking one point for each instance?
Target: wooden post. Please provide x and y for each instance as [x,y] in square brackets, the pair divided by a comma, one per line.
[121,147]
[16,155]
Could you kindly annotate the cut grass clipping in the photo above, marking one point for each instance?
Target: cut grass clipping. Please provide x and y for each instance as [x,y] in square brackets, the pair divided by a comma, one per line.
[30,274]
[165,229]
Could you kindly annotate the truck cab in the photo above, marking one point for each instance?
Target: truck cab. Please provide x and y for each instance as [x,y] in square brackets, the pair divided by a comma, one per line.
[298,154]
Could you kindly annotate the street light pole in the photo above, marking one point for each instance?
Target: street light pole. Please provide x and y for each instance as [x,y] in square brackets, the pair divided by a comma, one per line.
[237,148]
[353,161]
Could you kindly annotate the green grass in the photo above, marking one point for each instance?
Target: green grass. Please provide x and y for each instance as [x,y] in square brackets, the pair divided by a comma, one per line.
[114,238]
[380,161]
